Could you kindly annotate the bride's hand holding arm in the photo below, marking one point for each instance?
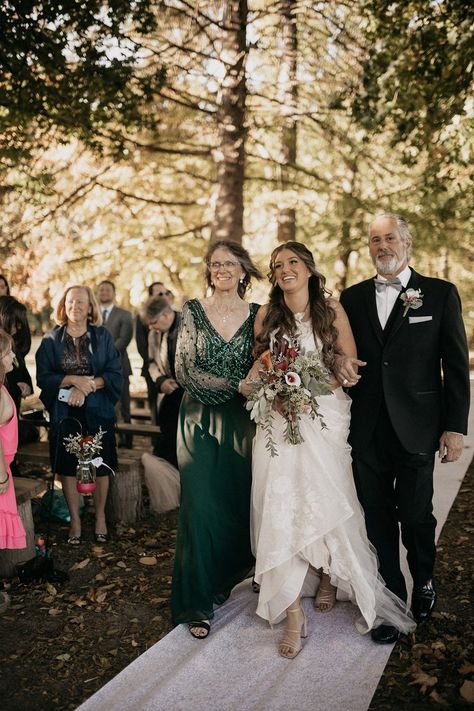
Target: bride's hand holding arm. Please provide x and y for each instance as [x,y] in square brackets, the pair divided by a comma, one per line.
[247,385]
[346,364]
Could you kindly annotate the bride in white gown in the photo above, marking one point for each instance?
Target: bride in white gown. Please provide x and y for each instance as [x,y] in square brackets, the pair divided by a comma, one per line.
[305,510]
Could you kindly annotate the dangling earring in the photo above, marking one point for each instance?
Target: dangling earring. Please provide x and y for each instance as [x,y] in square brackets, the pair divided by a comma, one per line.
[241,280]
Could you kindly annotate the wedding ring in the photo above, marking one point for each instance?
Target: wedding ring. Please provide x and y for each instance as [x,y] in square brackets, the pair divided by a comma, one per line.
[345,381]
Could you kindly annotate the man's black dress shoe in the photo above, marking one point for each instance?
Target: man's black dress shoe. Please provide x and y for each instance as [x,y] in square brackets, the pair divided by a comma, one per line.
[423,601]
[385,634]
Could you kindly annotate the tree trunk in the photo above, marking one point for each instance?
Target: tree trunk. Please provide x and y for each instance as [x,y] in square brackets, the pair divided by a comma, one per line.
[289,98]
[229,156]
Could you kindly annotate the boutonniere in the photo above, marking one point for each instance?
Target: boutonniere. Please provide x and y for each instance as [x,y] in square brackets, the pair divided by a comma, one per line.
[412,298]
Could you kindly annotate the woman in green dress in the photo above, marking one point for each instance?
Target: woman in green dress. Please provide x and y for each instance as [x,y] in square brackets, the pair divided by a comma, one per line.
[213,356]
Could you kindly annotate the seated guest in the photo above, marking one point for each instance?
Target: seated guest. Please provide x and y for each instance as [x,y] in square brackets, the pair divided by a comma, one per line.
[120,324]
[79,372]
[157,288]
[163,323]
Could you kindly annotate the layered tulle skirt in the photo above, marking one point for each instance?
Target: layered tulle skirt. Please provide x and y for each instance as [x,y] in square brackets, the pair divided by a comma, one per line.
[305,514]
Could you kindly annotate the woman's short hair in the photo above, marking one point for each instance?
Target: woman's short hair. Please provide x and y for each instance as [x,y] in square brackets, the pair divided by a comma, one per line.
[94,316]
[154,307]
[244,260]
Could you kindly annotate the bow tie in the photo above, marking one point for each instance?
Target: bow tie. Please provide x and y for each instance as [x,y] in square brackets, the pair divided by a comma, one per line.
[382,284]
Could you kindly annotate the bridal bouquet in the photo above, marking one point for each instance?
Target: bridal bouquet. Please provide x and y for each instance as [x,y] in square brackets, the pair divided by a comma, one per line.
[290,382]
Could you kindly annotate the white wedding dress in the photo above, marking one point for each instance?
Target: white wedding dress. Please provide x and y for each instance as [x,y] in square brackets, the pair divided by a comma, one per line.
[305,512]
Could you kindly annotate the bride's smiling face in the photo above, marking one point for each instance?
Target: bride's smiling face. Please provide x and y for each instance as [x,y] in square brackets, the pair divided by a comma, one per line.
[290,272]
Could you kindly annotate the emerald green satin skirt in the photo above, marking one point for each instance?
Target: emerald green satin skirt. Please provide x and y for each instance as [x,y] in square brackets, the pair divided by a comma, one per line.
[213,543]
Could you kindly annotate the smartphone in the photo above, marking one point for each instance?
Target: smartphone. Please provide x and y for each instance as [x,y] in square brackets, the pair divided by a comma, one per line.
[64,394]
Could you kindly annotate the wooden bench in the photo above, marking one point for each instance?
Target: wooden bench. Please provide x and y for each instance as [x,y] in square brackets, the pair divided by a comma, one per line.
[139,429]
[143,428]
[140,413]
[140,399]
[124,502]
[25,490]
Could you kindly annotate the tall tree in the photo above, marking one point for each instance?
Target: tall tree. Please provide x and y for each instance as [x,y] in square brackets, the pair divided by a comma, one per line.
[230,151]
[288,82]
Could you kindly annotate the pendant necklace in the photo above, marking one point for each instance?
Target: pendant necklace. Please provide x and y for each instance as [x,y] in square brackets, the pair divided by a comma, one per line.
[224,316]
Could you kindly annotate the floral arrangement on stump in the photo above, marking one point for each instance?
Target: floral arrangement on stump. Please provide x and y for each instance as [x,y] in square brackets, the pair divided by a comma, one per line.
[290,382]
[85,448]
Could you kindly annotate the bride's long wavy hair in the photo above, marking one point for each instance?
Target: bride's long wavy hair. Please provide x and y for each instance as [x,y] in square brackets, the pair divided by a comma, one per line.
[280,319]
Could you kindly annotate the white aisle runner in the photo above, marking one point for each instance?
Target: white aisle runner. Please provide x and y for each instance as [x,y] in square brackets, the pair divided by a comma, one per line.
[238,669]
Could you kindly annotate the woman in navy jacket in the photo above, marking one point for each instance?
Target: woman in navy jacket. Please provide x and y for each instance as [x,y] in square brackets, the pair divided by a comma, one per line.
[78,361]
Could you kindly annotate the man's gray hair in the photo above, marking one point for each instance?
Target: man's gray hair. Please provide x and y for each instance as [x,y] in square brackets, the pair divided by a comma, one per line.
[154,307]
[402,226]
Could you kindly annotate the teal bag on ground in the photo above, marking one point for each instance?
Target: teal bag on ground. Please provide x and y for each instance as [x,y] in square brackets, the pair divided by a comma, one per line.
[59,507]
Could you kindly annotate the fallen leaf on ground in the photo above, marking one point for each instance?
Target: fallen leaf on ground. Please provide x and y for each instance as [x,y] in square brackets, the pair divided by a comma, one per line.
[79,566]
[466,668]
[467,691]
[147,560]
[423,679]
[438,699]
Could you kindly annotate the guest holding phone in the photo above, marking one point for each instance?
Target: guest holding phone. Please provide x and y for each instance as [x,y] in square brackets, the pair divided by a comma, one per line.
[79,372]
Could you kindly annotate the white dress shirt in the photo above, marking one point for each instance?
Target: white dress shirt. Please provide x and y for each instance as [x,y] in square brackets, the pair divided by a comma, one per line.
[385,299]
[107,310]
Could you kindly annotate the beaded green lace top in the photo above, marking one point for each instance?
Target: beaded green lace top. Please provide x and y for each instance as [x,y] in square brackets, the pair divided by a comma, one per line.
[208,367]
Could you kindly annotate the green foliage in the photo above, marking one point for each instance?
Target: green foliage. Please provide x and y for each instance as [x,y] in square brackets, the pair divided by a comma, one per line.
[76,69]
[418,72]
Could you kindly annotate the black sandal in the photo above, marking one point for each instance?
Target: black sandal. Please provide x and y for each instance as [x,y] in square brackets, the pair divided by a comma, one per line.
[255,586]
[101,537]
[201,624]
[74,540]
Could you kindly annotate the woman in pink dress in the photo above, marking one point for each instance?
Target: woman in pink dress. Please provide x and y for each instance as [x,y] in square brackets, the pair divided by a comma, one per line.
[12,533]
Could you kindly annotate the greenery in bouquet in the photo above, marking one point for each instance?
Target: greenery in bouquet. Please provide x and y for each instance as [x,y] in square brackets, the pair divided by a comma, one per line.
[84,447]
[291,381]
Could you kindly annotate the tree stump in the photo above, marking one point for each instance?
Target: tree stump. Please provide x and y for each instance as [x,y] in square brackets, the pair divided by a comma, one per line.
[124,502]
[25,490]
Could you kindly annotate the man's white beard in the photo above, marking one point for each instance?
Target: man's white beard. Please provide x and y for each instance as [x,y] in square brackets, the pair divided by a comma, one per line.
[389,266]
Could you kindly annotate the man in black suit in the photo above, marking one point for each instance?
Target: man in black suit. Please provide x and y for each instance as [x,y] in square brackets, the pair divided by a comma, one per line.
[410,399]
[163,323]
[120,324]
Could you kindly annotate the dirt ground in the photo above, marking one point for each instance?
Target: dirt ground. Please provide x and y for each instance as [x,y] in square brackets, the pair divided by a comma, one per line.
[60,643]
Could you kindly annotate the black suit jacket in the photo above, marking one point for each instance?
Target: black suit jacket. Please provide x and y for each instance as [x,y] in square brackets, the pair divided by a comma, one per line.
[419,367]
[120,324]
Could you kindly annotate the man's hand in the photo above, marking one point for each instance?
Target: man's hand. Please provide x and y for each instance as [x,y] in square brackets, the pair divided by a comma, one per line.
[24,389]
[168,386]
[450,446]
[345,370]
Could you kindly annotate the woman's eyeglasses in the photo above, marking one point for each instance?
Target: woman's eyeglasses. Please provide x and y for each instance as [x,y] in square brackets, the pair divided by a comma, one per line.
[222,265]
